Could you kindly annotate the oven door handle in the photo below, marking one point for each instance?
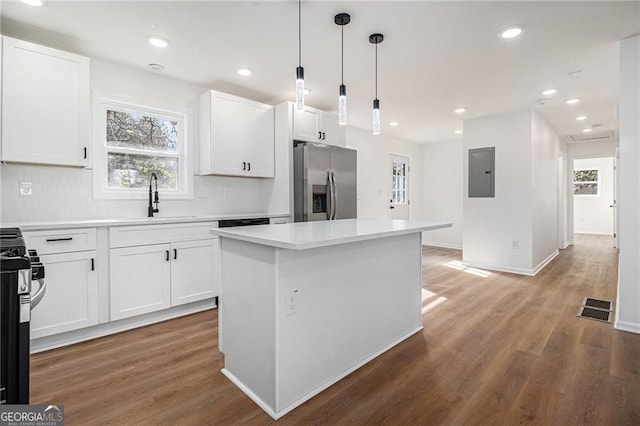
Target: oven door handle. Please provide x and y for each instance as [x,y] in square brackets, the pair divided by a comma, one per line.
[42,289]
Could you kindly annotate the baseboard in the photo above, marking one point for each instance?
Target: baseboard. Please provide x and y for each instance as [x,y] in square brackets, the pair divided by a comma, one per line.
[442,245]
[545,262]
[566,244]
[101,330]
[631,327]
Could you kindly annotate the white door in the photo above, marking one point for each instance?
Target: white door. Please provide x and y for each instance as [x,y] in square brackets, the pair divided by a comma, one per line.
[399,188]
[614,204]
[306,125]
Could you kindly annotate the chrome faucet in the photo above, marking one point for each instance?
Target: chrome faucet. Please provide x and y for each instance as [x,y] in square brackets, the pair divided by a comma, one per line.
[155,200]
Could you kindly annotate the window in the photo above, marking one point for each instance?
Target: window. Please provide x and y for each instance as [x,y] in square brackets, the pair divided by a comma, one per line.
[586,182]
[134,141]
[399,182]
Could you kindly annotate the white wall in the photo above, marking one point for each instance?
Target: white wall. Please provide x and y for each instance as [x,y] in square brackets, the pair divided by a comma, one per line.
[628,312]
[67,193]
[492,225]
[442,192]
[545,155]
[374,172]
[592,214]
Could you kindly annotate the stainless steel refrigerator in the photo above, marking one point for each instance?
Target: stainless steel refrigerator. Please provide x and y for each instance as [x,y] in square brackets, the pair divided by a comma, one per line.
[325,182]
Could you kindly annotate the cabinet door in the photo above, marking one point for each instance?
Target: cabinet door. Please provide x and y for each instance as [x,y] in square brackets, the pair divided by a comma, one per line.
[332,132]
[306,125]
[235,132]
[195,271]
[45,105]
[140,280]
[71,298]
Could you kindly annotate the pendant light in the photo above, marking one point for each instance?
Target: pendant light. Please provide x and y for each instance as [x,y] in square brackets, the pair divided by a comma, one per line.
[342,19]
[376,39]
[299,69]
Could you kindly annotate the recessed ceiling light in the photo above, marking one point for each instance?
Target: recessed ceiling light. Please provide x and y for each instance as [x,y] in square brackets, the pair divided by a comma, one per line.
[459,110]
[581,117]
[587,130]
[394,124]
[457,132]
[307,91]
[158,41]
[34,2]
[512,32]
[155,67]
[245,72]
[573,101]
[549,92]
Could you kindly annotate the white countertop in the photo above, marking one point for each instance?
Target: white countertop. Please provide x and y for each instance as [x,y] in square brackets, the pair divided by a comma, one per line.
[306,235]
[157,220]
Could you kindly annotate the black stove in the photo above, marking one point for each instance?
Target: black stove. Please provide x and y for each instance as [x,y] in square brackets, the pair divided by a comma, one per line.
[19,268]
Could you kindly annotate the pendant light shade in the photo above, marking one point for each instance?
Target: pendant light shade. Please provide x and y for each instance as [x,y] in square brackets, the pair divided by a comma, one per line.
[299,69]
[342,19]
[376,39]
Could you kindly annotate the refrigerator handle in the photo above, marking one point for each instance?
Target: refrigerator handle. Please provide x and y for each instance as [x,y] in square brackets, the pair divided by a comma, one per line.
[329,196]
[334,193]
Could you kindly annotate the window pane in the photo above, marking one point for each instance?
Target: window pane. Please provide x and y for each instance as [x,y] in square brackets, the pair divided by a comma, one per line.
[585,175]
[134,130]
[134,171]
[585,188]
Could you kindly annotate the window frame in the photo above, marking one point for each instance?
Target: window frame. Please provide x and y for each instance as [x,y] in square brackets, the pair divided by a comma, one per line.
[597,182]
[101,190]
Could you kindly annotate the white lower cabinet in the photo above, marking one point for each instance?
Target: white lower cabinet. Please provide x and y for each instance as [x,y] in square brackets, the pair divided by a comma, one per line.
[156,267]
[71,298]
[140,280]
[195,271]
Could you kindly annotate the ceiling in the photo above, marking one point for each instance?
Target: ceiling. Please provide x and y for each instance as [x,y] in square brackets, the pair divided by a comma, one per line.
[436,56]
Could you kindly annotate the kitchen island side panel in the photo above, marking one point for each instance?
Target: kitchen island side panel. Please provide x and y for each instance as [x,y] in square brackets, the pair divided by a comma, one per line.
[247,317]
[353,301]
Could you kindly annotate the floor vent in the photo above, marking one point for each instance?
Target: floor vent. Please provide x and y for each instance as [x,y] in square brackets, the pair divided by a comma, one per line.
[596,309]
[595,303]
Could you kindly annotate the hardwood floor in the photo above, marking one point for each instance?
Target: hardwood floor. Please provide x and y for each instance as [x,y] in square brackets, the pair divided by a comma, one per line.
[496,349]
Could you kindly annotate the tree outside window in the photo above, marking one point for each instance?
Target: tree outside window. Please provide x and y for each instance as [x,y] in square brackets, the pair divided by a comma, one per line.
[586,182]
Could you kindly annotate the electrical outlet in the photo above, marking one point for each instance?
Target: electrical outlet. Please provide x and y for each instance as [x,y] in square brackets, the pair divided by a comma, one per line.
[515,244]
[26,188]
[226,192]
[291,302]
[203,192]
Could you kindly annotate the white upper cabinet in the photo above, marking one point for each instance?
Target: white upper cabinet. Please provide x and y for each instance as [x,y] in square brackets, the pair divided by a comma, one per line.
[236,136]
[45,105]
[314,125]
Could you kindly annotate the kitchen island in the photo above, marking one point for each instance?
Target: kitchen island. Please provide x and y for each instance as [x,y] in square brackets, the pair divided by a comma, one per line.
[302,305]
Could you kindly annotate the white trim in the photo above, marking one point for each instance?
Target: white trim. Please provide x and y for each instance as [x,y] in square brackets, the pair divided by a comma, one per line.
[443,245]
[631,327]
[101,101]
[279,413]
[519,271]
[565,245]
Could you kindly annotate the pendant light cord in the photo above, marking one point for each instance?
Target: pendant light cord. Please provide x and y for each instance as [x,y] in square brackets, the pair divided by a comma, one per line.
[299,35]
[376,70]
[342,57]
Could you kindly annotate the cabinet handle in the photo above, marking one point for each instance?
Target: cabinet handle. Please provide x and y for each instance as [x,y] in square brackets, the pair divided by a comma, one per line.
[244,165]
[249,168]
[52,240]
[323,136]
[93,264]
[175,254]
[85,152]
[167,253]
[319,135]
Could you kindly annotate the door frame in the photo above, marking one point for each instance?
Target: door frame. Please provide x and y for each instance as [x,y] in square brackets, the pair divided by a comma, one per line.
[569,193]
[408,175]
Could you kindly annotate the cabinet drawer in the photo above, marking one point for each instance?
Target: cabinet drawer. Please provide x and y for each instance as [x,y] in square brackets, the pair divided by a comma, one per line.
[137,235]
[61,241]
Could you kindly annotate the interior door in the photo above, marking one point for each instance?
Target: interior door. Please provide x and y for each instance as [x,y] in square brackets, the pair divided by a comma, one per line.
[614,205]
[399,187]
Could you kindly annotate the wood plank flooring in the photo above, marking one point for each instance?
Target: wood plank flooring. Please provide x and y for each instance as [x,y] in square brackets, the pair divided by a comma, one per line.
[496,349]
